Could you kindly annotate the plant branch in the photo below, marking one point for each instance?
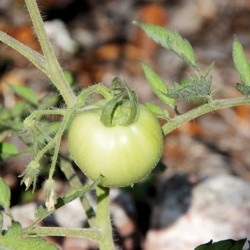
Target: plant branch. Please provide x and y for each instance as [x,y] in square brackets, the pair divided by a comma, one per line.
[33,56]
[203,109]
[88,233]
[103,219]
[57,144]
[75,182]
[52,67]
[42,213]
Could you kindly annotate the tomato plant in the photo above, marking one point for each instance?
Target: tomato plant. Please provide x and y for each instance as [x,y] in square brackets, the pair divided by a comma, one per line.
[122,154]
[117,139]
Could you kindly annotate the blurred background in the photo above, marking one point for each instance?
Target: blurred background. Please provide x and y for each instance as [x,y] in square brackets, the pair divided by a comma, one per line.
[200,190]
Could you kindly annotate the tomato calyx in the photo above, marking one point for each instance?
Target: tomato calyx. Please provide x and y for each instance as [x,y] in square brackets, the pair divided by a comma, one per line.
[122,108]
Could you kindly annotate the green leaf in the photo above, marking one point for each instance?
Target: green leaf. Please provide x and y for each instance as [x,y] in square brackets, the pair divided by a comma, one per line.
[241,62]
[159,112]
[223,245]
[4,195]
[10,120]
[5,114]
[26,93]
[14,240]
[7,150]
[158,86]
[170,40]
[195,87]
[69,77]
[243,89]
[18,109]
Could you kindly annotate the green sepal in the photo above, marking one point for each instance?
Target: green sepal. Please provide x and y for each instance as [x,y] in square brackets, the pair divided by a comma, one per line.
[158,86]
[170,40]
[109,109]
[116,111]
[133,106]
[30,175]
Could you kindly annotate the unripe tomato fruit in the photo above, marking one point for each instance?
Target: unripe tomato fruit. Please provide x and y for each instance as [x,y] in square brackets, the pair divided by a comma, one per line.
[122,154]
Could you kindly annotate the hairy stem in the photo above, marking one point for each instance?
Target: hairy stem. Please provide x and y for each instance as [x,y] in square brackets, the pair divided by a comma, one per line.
[203,109]
[97,89]
[33,56]
[57,145]
[75,182]
[37,113]
[88,233]
[53,69]
[103,219]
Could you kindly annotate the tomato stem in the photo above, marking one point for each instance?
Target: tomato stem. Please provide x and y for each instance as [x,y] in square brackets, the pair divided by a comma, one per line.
[103,219]
[203,109]
[97,89]
[75,182]
[88,233]
[52,68]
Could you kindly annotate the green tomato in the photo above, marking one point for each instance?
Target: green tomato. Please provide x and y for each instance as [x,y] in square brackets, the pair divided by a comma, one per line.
[122,154]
